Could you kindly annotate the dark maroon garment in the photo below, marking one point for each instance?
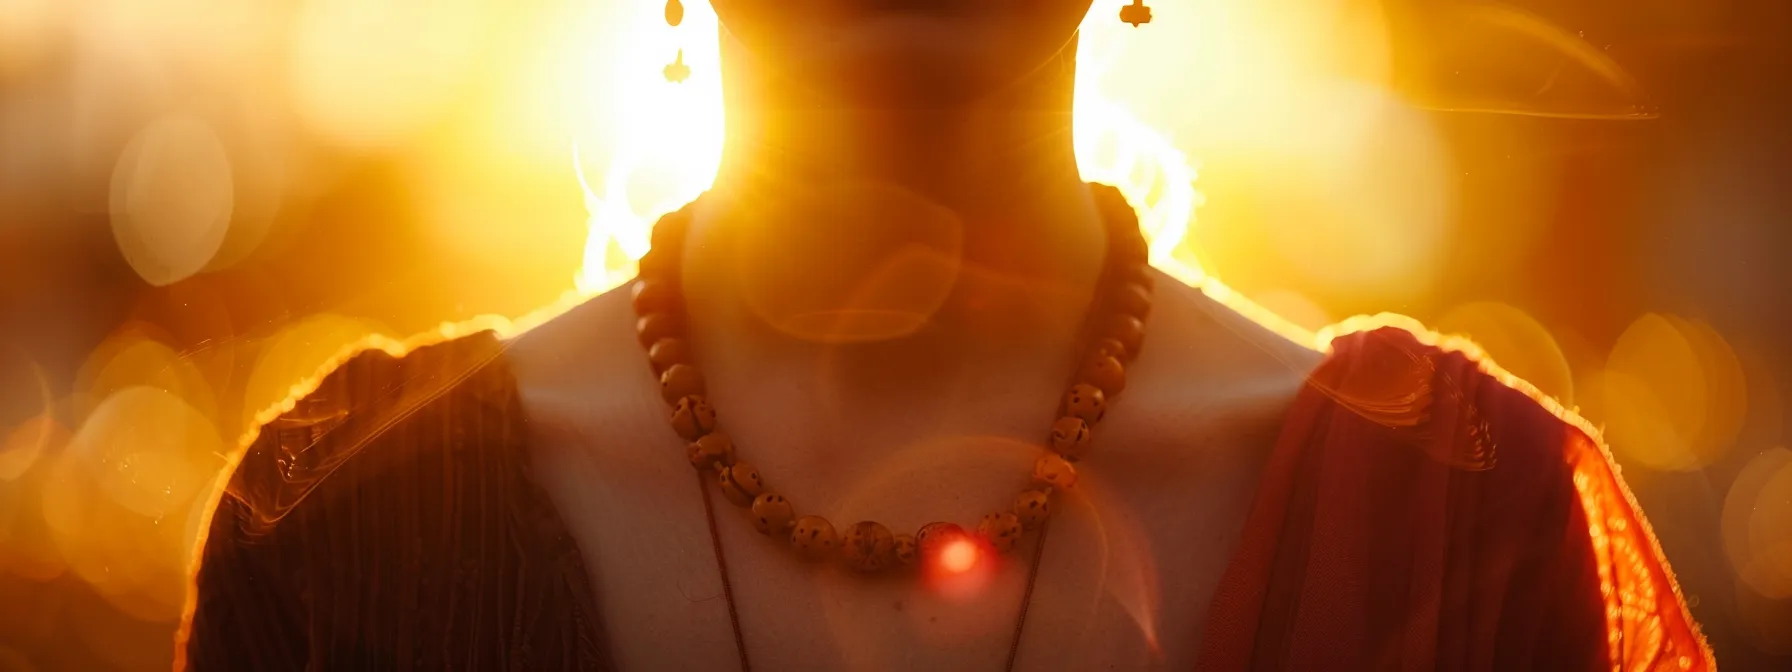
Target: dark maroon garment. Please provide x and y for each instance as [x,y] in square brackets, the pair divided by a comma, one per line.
[1416,513]
[388,522]
[1421,511]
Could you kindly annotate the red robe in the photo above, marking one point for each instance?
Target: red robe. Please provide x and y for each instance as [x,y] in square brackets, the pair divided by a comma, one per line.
[1423,510]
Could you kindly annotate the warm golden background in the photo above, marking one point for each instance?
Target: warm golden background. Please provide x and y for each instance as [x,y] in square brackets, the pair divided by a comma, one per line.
[203,200]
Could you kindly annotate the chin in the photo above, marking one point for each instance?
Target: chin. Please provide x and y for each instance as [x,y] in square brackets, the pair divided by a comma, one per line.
[911,59]
[902,78]
[900,65]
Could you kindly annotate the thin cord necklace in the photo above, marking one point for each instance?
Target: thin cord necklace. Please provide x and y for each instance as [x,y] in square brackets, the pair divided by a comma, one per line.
[1113,331]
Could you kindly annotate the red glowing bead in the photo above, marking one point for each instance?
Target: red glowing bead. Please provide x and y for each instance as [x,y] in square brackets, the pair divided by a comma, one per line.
[934,536]
[958,556]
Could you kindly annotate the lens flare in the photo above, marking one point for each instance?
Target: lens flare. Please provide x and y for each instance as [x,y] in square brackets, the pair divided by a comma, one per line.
[666,142]
[1487,57]
[171,198]
[1518,341]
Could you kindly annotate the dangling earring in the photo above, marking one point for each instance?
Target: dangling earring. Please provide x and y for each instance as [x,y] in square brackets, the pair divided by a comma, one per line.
[677,71]
[1136,13]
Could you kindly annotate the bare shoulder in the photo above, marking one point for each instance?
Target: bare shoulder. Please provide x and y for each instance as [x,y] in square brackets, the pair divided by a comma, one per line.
[584,369]
[1181,453]
[597,334]
[1204,357]
[1205,401]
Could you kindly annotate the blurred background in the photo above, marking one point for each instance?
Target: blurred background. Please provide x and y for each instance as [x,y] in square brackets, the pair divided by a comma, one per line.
[204,201]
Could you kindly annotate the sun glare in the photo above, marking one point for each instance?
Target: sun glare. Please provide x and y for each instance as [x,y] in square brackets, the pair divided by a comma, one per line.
[665,144]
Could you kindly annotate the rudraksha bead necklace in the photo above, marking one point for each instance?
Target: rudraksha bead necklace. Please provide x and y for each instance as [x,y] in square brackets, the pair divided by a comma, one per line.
[1112,334]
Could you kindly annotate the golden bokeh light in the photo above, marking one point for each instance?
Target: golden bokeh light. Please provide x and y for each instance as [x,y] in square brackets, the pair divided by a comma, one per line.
[371,74]
[21,448]
[261,156]
[295,357]
[148,450]
[118,503]
[1727,402]
[1637,423]
[1737,522]
[171,199]
[27,547]
[1517,341]
[68,497]
[1674,394]
[1770,531]
[195,319]
[135,355]
[1653,395]
[25,421]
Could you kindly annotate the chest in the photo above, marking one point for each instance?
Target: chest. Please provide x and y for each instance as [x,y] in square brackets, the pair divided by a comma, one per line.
[1127,569]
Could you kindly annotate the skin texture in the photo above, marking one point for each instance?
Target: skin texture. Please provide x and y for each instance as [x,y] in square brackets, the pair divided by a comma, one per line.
[910,159]
[1132,558]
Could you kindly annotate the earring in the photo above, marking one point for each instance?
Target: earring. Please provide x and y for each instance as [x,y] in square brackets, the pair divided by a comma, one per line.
[1136,13]
[677,71]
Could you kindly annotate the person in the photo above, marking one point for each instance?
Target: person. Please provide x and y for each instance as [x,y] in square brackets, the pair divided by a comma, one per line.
[900,304]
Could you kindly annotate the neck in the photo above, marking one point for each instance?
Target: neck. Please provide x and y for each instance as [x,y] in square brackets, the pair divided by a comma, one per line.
[965,223]
[985,159]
